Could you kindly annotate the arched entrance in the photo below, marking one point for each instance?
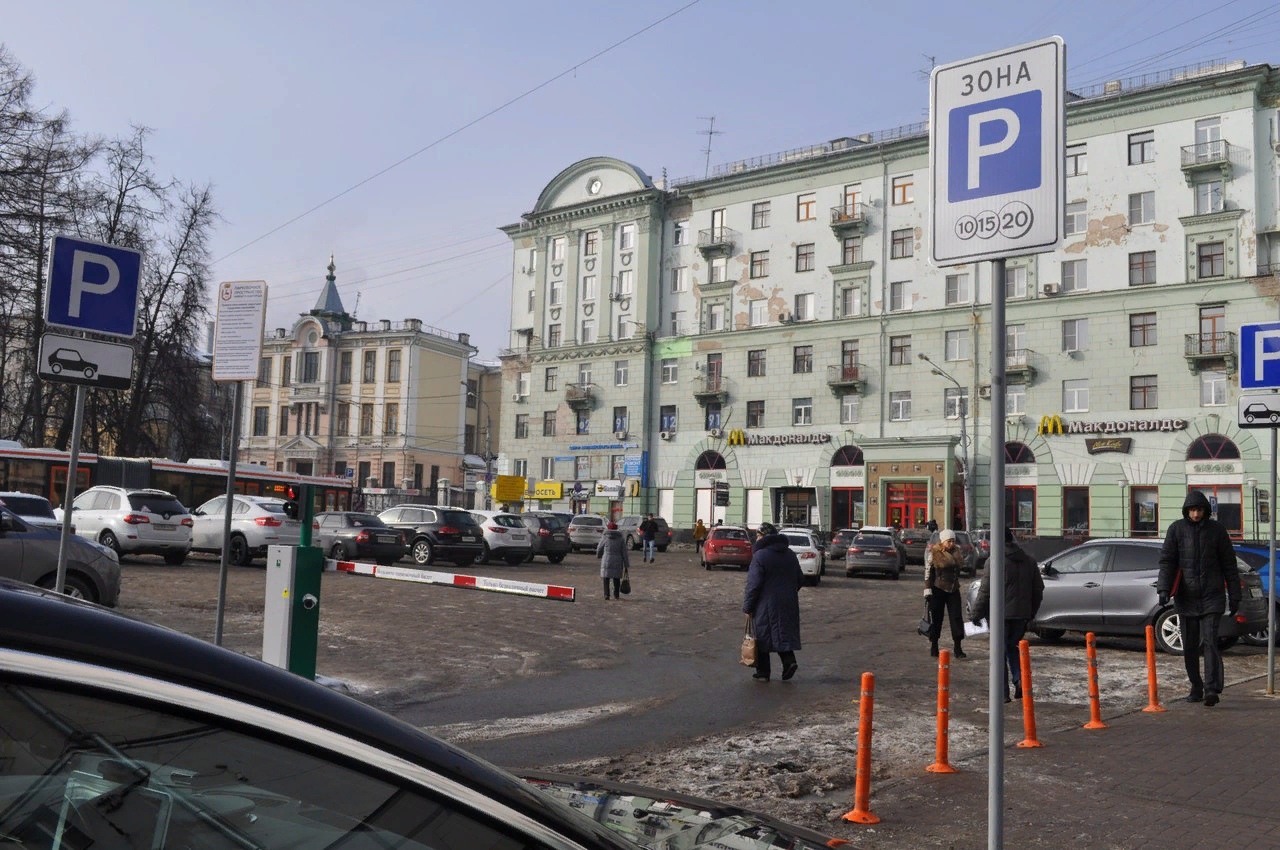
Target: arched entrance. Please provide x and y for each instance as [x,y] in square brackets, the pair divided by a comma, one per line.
[848,480]
[709,470]
[1209,470]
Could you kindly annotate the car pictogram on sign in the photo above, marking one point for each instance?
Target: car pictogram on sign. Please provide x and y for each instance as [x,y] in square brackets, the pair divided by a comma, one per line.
[70,360]
[1258,410]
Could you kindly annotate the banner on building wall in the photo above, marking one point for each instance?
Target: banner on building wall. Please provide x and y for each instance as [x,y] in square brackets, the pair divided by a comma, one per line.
[550,490]
[609,489]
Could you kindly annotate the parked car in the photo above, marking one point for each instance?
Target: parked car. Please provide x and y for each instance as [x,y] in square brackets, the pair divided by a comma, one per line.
[872,553]
[915,541]
[1108,587]
[981,538]
[585,531]
[892,533]
[809,551]
[549,534]
[630,528]
[839,543]
[726,546]
[433,532]
[505,537]
[1256,557]
[34,510]
[29,553]
[110,744]
[967,550]
[134,521]
[352,536]
[256,523]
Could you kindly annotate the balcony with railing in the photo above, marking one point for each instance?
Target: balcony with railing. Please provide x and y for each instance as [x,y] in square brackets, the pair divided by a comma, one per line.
[709,389]
[846,378]
[1017,366]
[1211,351]
[1205,157]
[849,219]
[580,396]
[715,241]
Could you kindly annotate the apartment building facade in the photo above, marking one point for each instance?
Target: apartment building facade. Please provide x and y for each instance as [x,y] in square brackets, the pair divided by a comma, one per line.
[799,346]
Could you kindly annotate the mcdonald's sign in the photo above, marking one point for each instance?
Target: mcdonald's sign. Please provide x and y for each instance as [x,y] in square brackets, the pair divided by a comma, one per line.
[737,437]
[1051,425]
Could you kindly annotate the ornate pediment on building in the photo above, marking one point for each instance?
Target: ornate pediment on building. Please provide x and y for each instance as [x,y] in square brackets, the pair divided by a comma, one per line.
[301,446]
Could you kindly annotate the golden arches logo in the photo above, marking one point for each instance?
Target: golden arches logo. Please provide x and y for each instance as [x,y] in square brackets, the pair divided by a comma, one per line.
[737,437]
[1051,425]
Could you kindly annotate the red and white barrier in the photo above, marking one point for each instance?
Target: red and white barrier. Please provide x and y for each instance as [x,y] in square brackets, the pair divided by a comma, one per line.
[496,585]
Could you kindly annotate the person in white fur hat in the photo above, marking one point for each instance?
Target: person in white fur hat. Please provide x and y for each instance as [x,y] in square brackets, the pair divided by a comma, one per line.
[942,589]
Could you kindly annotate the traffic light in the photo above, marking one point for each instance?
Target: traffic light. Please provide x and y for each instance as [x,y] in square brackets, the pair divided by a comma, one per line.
[291,507]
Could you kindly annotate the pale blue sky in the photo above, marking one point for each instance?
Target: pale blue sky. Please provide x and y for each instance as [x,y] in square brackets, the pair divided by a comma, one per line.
[283,105]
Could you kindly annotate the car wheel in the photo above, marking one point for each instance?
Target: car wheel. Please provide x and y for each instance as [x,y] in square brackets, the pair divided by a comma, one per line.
[109,540]
[73,586]
[816,581]
[896,576]
[528,559]
[483,557]
[514,560]
[1259,638]
[1168,635]
[555,559]
[173,559]
[1050,635]
[631,543]
[423,553]
[336,553]
[239,553]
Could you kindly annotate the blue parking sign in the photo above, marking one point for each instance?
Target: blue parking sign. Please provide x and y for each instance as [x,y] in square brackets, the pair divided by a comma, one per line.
[1260,356]
[995,147]
[93,287]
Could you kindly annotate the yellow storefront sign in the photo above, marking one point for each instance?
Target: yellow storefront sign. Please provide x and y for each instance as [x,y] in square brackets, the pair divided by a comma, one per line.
[509,488]
[548,490]
[1050,425]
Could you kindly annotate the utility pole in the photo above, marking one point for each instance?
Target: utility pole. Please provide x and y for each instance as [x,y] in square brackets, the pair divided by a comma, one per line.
[966,471]
[709,132]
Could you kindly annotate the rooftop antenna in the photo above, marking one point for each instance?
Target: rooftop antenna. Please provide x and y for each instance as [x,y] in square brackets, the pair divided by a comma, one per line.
[709,132]
[933,63]
[355,311]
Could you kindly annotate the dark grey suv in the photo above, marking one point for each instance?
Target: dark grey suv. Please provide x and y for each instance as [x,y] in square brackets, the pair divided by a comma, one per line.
[550,535]
[29,553]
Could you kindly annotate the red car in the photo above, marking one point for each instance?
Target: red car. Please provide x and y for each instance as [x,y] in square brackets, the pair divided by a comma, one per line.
[726,546]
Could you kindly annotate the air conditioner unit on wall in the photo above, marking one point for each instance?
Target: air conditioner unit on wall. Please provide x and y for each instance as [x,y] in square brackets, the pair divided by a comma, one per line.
[713,432]
[1051,289]
[619,435]
[666,435]
[984,391]
[517,397]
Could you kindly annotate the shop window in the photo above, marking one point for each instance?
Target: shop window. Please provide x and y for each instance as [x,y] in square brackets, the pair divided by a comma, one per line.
[1020,508]
[1018,453]
[1213,447]
[1075,510]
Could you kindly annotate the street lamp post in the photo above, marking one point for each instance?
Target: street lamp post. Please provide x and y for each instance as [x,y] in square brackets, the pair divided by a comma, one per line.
[488,448]
[966,468]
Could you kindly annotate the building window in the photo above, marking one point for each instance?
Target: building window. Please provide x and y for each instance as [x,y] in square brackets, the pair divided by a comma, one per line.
[851,250]
[904,191]
[667,417]
[344,367]
[555,293]
[1074,276]
[680,233]
[366,420]
[851,301]
[260,415]
[1075,334]
[1142,208]
[393,366]
[715,317]
[588,331]
[1142,147]
[621,372]
[1076,219]
[1208,197]
[755,414]
[627,237]
[900,406]
[1142,329]
[805,257]
[1142,268]
[391,420]
[582,422]
[554,335]
[1015,341]
[760,215]
[758,311]
[621,421]
[956,345]
[473,393]
[557,249]
[806,207]
[955,402]
[590,288]
[1015,400]
[548,423]
[548,469]
[369,369]
[898,295]
[680,279]
[584,374]
[286,371]
[899,350]
[802,411]
[522,426]
[1211,260]
[802,359]
[264,372]
[342,421]
[670,370]
[759,264]
[719,269]
[957,291]
[1213,389]
[902,244]
[804,307]
[676,327]
[1077,160]
[850,409]
[625,282]
[522,384]
[1075,396]
[711,416]
[551,379]
[1015,282]
[621,332]
[1142,392]
[591,243]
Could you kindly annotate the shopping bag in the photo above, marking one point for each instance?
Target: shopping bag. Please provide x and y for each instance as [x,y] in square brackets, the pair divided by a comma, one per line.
[748,655]
[625,586]
[922,628]
[971,630]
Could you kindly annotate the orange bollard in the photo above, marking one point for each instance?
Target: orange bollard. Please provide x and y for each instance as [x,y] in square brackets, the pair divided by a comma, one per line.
[1028,704]
[862,784]
[1153,689]
[1095,710]
[940,764]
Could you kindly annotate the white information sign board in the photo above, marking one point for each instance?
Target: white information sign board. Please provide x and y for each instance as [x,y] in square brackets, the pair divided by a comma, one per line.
[237,333]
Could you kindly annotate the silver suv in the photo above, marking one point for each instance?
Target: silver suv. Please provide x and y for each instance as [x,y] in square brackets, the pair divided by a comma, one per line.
[256,523]
[134,522]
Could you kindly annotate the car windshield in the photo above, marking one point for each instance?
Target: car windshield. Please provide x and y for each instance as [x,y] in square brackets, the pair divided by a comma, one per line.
[456,518]
[874,541]
[271,507]
[798,540]
[844,536]
[728,534]
[365,521]
[506,521]
[556,522]
[587,520]
[27,505]
[155,503]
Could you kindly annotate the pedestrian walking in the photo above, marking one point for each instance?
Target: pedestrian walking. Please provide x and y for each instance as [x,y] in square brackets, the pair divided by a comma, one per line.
[1198,570]
[1023,592]
[614,559]
[772,599]
[699,536]
[942,589]
[649,534]
[932,525]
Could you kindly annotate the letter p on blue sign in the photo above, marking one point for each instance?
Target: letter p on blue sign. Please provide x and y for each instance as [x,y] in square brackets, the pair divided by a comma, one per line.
[93,287]
[1260,356]
[995,147]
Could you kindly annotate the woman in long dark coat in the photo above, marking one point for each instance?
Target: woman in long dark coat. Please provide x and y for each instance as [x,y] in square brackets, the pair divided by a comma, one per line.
[772,599]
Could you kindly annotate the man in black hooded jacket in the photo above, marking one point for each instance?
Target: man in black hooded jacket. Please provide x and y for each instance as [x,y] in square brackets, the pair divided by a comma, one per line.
[1198,569]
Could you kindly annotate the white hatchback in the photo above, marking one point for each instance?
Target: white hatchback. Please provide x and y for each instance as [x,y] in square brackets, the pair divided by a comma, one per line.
[505,537]
[256,523]
[810,553]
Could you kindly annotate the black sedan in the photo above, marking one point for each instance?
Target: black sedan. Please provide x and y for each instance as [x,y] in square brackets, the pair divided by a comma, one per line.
[350,536]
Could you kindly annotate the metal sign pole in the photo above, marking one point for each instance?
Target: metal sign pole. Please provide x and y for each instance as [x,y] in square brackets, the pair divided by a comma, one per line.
[226,517]
[1271,577]
[995,567]
[69,492]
